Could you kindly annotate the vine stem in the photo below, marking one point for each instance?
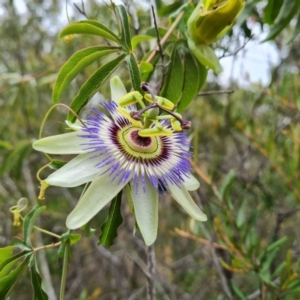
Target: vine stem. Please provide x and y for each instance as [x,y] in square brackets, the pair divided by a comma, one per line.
[151,263]
[166,36]
[64,271]
[47,232]
[53,245]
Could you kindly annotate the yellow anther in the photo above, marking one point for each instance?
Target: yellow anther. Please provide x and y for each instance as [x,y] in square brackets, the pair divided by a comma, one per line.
[155,131]
[164,102]
[16,211]
[126,113]
[176,125]
[130,98]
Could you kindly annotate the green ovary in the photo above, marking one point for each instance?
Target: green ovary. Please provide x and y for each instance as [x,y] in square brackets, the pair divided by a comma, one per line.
[139,147]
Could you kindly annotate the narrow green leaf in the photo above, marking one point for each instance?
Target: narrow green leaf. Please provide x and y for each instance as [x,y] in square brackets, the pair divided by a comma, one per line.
[174,80]
[288,10]
[205,55]
[6,252]
[269,259]
[238,292]
[294,284]
[134,73]
[125,30]
[12,258]
[111,225]
[161,31]
[194,73]
[77,62]
[278,243]
[91,86]
[29,222]
[145,67]
[272,10]
[8,268]
[16,242]
[296,30]
[8,281]
[226,187]
[14,159]
[36,281]
[136,40]
[89,27]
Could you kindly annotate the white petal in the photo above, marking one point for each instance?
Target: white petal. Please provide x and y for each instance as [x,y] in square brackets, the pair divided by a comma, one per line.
[182,196]
[67,143]
[99,193]
[146,209]
[77,171]
[117,89]
[191,183]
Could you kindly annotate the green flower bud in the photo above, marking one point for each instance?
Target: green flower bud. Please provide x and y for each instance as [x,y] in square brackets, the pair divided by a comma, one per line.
[211,19]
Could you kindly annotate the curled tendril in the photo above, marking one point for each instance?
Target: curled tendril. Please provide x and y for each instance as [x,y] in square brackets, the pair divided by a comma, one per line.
[16,210]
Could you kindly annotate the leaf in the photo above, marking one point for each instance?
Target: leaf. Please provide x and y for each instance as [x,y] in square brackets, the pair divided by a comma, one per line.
[14,159]
[136,40]
[205,55]
[271,11]
[36,281]
[5,253]
[12,258]
[145,67]
[226,187]
[77,62]
[8,281]
[166,10]
[237,291]
[29,222]
[91,86]
[74,238]
[125,31]
[162,32]
[174,80]
[194,77]
[111,225]
[16,242]
[296,30]
[134,73]
[278,243]
[89,27]
[286,14]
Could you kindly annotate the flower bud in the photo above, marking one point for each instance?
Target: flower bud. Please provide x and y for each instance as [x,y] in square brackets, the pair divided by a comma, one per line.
[211,19]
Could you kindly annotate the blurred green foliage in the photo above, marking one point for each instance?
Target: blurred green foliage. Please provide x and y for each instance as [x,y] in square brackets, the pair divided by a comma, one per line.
[246,153]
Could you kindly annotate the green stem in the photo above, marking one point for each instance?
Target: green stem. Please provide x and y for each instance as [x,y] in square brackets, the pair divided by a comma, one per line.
[47,232]
[64,271]
[47,246]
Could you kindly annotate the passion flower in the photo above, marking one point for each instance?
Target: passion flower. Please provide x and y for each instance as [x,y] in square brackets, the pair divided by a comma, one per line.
[114,150]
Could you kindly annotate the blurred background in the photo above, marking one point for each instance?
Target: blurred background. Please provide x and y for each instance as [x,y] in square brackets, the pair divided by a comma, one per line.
[246,145]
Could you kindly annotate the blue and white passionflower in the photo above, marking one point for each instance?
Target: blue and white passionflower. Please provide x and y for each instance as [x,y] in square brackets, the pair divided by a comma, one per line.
[112,154]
